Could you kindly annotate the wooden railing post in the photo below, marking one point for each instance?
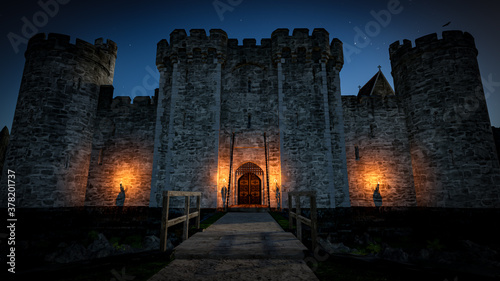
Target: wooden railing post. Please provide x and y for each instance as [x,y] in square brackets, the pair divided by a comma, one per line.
[198,206]
[299,222]
[185,233]
[164,222]
[314,221]
[290,218]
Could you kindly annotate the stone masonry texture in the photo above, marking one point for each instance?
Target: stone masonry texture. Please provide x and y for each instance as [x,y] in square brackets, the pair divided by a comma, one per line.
[4,143]
[450,136]
[428,143]
[51,136]
[376,127]
[496,136]
[122,150]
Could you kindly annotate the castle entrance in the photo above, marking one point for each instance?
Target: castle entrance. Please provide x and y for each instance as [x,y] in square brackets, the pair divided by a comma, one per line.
[249,189]
[249,184]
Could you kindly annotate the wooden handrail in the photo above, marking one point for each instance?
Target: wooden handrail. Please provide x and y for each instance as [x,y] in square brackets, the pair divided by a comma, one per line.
[166,223]
[312,222]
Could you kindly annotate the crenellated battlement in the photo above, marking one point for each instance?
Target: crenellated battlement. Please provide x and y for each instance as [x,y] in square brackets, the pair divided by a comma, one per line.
[196,44]
[315,46]
[429,43]
[101,52]
[126,101]
[62,42]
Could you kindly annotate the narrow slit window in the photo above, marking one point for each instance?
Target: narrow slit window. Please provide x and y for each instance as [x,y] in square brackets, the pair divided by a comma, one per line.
[99,159]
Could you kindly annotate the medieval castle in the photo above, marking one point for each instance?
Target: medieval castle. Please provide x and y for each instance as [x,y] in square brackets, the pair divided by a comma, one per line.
[266,119]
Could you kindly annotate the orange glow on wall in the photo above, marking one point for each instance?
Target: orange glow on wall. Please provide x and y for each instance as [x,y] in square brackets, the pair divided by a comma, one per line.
[370,181]
[123,164]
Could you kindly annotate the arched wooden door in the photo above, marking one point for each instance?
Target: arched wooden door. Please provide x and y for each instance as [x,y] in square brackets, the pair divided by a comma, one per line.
[249,191]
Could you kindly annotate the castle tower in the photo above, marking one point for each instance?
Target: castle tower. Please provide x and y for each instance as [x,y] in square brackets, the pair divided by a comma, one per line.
[52,131]
[451,142]
[188,114]
[311,125]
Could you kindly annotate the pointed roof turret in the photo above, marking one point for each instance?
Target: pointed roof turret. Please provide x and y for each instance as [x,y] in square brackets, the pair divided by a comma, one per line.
[377,86]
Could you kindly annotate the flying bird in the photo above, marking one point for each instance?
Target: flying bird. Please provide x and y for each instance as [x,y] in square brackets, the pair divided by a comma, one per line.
[446,24]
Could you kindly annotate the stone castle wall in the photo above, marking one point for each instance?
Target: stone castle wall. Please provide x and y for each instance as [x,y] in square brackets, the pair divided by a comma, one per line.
[378,151]
[187,126]
[122,151]
[431,145]
[451,143]
[52,131]
[308,97]
[212,87]
[496,136]
[4,143]
[249,108]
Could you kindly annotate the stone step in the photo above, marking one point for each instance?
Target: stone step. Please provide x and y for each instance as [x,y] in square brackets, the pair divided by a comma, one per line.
[254,208]
[248,210]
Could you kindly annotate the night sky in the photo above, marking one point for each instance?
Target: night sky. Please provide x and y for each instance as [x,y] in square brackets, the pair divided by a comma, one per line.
[137,26]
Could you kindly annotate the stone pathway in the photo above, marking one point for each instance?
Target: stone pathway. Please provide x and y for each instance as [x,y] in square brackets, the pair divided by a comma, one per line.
[239,246]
